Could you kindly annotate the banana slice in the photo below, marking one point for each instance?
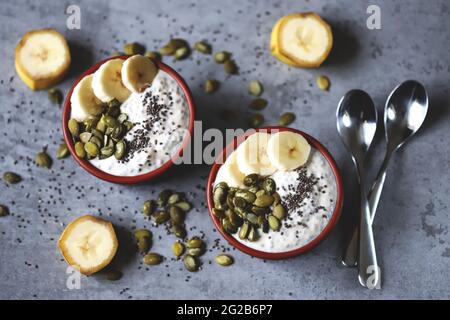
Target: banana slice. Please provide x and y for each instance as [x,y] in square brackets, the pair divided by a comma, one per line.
[229,172]
[304,39]
[274,48]
[252,155]
[288,150]
[88,244]
[107,82]
[138,73]
[83,101]
[42,58]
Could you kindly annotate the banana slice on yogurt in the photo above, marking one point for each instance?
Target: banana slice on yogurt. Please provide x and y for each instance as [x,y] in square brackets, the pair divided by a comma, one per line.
[107,82]
[252,156]
[288,150]
[138,73]
[83,101]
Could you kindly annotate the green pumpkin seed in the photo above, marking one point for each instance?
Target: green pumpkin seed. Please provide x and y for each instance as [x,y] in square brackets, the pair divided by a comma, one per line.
[113,108]
[55,95]
[218,213]
[260,211]
[227,226]
[269,185]
[43,159]
[286,119]
[211,85]
[154,55]
[4,211]
[168,49]
[251,180]
[133,48]
[234,218]
[111,121]
[97,133]
[122,117]
[260,192]
[184,205]
[141,233]
[279,211]
[163,196]
[191,263]
[230,201]
[89,124]
[144,244]
[323,82]
[196,252]
[256,120]
[174,198]
[161,217]
[91,149]
[128,125]
[74,127]
[195,242]
[113,275]
[120,149]
[263,224]
[178,249]
[179,231]
[252,218]
[264,200]
[243,232]
[230,67]
[274,223]
[62,151]
[97,141]
[79,150]
[239,202]
[176,214]
[203,47]
[254,189]
[152,259]
[242,213]
[277,198]
[220,195]
[222,56]
[182,53]
[255,88]
[85,137]
[148,207]
[106,152]
[11,177]
[101,125]
[253,234]
[258,104]
[224,260]
[248,196]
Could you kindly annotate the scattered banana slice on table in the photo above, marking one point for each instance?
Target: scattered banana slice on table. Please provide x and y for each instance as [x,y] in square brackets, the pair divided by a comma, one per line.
[301,40]
[83,100]
[138,73]
[88,244]
[107,82]
[252,155]
[288,150]
[42,58]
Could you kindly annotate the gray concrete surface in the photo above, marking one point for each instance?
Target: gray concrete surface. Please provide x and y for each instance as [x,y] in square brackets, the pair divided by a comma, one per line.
[411,228]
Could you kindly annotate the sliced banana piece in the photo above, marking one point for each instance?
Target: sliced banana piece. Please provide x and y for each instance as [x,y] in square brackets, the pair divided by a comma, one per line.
[88,244]
[83,101]
[288,150]
[305,39]
[107,82]
[252,155]
[229,172]
[42,58]
[138,73]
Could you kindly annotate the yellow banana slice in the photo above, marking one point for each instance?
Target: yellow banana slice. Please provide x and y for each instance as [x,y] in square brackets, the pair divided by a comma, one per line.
[252,155]
[83,101]
[288,150]
[138,73]
[107,82]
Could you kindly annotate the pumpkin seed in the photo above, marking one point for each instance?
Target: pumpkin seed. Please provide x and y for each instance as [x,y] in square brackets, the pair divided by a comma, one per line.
[203,47]
[264,200]
[89,124]
[144,244]
[252,234]
[323,82]
[252,218]
[184,205]
[62,152]
[174,198]
[148,207]
[120,149]
[85,137]
[154,55]
[222,56]
[113,108]
[211,85]
[277,198]
[240,212]
[133,48]
[251,180]
[220,195]
[79,149]
[128,125]
[230,67]
[260,211]
[11,177]
[196,252]
[96,141]
[178,249]
[279,211]
[111,121]
[258,104]
[161,216]
[286,119]
[255,88]
[218,213]
[122,117]
[256,120]
[4,211]
[176,214]
[163,197]
[254,189]
[113,275]
[101,125]
[55,95]
[227,226]
[168,49]
[91,149]
[274,223]
[191,263]
[239,202]
[74,127]
[195,242]
[248,196]
[224,260]
[179,231]
[43,159]
[269,185]
[182,53]
[152,259]
[106,152]
[243,232]
[222,184]
[260,192]
[234,218]
[140,233]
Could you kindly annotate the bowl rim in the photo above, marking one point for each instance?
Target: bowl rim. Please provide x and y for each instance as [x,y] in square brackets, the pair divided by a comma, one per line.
[86,165]
[297,251]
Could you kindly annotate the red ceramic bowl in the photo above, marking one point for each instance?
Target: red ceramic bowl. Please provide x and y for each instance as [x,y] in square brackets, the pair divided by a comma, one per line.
[287,254]
[127,179]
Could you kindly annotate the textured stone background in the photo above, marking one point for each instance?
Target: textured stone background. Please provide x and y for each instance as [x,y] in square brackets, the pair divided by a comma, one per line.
[411,228]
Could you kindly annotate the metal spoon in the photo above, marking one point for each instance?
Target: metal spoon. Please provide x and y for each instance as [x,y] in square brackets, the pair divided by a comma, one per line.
[405,111]
[356,123]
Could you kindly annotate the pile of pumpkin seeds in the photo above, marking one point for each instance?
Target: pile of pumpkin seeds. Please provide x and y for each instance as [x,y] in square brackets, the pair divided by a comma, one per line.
[193,249]
[247,210]
[101,136]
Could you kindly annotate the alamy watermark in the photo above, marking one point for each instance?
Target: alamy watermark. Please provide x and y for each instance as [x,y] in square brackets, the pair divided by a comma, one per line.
[373,21]
[73,21]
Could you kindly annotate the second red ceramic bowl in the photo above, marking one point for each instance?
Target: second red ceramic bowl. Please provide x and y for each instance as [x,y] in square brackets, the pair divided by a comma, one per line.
[85,164]
[286,254]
